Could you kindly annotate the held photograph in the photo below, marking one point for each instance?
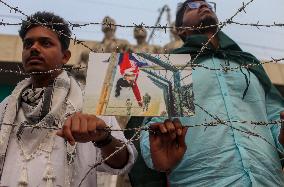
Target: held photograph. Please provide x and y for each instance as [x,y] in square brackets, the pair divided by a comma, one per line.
[139,84]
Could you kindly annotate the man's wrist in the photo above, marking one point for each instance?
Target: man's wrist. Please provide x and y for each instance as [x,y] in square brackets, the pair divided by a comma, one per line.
[106,141]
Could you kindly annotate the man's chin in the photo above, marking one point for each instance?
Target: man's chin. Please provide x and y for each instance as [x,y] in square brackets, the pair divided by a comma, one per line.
[210,23]
[209,20]
[34,70]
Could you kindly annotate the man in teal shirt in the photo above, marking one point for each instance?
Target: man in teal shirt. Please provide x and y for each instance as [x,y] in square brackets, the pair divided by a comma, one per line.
[231,153]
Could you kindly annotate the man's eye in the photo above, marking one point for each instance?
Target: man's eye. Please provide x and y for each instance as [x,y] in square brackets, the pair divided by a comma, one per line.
[46,43]
[28,44]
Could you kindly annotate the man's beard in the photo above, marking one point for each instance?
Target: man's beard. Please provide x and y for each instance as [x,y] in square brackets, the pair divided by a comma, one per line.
[208,24]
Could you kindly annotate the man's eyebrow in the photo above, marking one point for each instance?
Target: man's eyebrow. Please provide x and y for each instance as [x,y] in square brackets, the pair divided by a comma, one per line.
[37,38]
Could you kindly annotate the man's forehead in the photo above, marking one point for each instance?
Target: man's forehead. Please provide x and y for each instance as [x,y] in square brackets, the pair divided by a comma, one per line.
[40,32]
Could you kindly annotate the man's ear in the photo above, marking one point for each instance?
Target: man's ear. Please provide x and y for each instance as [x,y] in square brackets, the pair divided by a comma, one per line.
[66,56]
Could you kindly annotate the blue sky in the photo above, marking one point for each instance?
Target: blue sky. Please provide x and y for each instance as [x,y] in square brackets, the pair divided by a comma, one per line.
[264,42]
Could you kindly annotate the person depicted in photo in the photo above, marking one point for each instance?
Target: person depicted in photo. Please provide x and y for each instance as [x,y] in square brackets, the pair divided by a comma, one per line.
[129,69]
[128,104]
[146,101]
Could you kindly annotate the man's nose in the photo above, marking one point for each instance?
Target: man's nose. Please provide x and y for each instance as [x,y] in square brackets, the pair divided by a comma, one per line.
[35,48]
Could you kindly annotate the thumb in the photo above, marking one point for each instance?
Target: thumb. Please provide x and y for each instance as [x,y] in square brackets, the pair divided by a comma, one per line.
[181,138]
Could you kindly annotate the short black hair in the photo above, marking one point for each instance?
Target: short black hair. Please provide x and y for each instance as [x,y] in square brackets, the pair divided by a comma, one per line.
[179,16]
[50,21]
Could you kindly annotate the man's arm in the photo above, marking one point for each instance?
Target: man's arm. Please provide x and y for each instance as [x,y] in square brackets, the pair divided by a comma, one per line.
[85,128]
[118,160]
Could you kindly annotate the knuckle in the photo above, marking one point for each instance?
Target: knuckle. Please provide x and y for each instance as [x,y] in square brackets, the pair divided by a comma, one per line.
[170,127]
[75,131]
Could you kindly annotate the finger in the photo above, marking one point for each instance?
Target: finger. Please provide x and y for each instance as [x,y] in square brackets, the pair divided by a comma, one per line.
[101,124]
[83,129]
[75,125]
[92,125]
[181,139]
[170,128]
[97,129]
[158,127]
[178,126]
[67,131]
[169,125]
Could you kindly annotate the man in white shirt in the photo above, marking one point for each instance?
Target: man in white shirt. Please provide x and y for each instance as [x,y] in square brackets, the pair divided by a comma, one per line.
[44,139]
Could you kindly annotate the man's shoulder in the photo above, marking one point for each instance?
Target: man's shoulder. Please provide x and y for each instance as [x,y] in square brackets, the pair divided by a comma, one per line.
[4,102]
[185,49]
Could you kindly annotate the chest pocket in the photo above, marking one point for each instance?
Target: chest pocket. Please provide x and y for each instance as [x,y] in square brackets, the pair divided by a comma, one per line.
[237,85]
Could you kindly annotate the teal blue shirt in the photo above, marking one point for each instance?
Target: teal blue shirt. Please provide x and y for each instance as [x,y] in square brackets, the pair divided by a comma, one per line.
[222,156]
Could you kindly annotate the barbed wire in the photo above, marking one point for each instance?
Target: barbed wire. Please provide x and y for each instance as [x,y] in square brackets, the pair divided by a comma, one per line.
[141,25]
[77,68]
[146,128]
[188,64]
[221,25]
[226,68]
[217,121]
[2,23]
[193,65]
[258,24]
[158,26]
[20,72]
[165,27]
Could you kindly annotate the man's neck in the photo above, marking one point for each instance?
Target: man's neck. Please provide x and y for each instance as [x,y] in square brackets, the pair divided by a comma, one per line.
[43,80]
[211,35]
[214,40]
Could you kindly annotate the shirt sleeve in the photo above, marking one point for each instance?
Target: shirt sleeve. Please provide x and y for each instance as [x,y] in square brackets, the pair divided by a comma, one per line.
[111,121]
[274,105]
